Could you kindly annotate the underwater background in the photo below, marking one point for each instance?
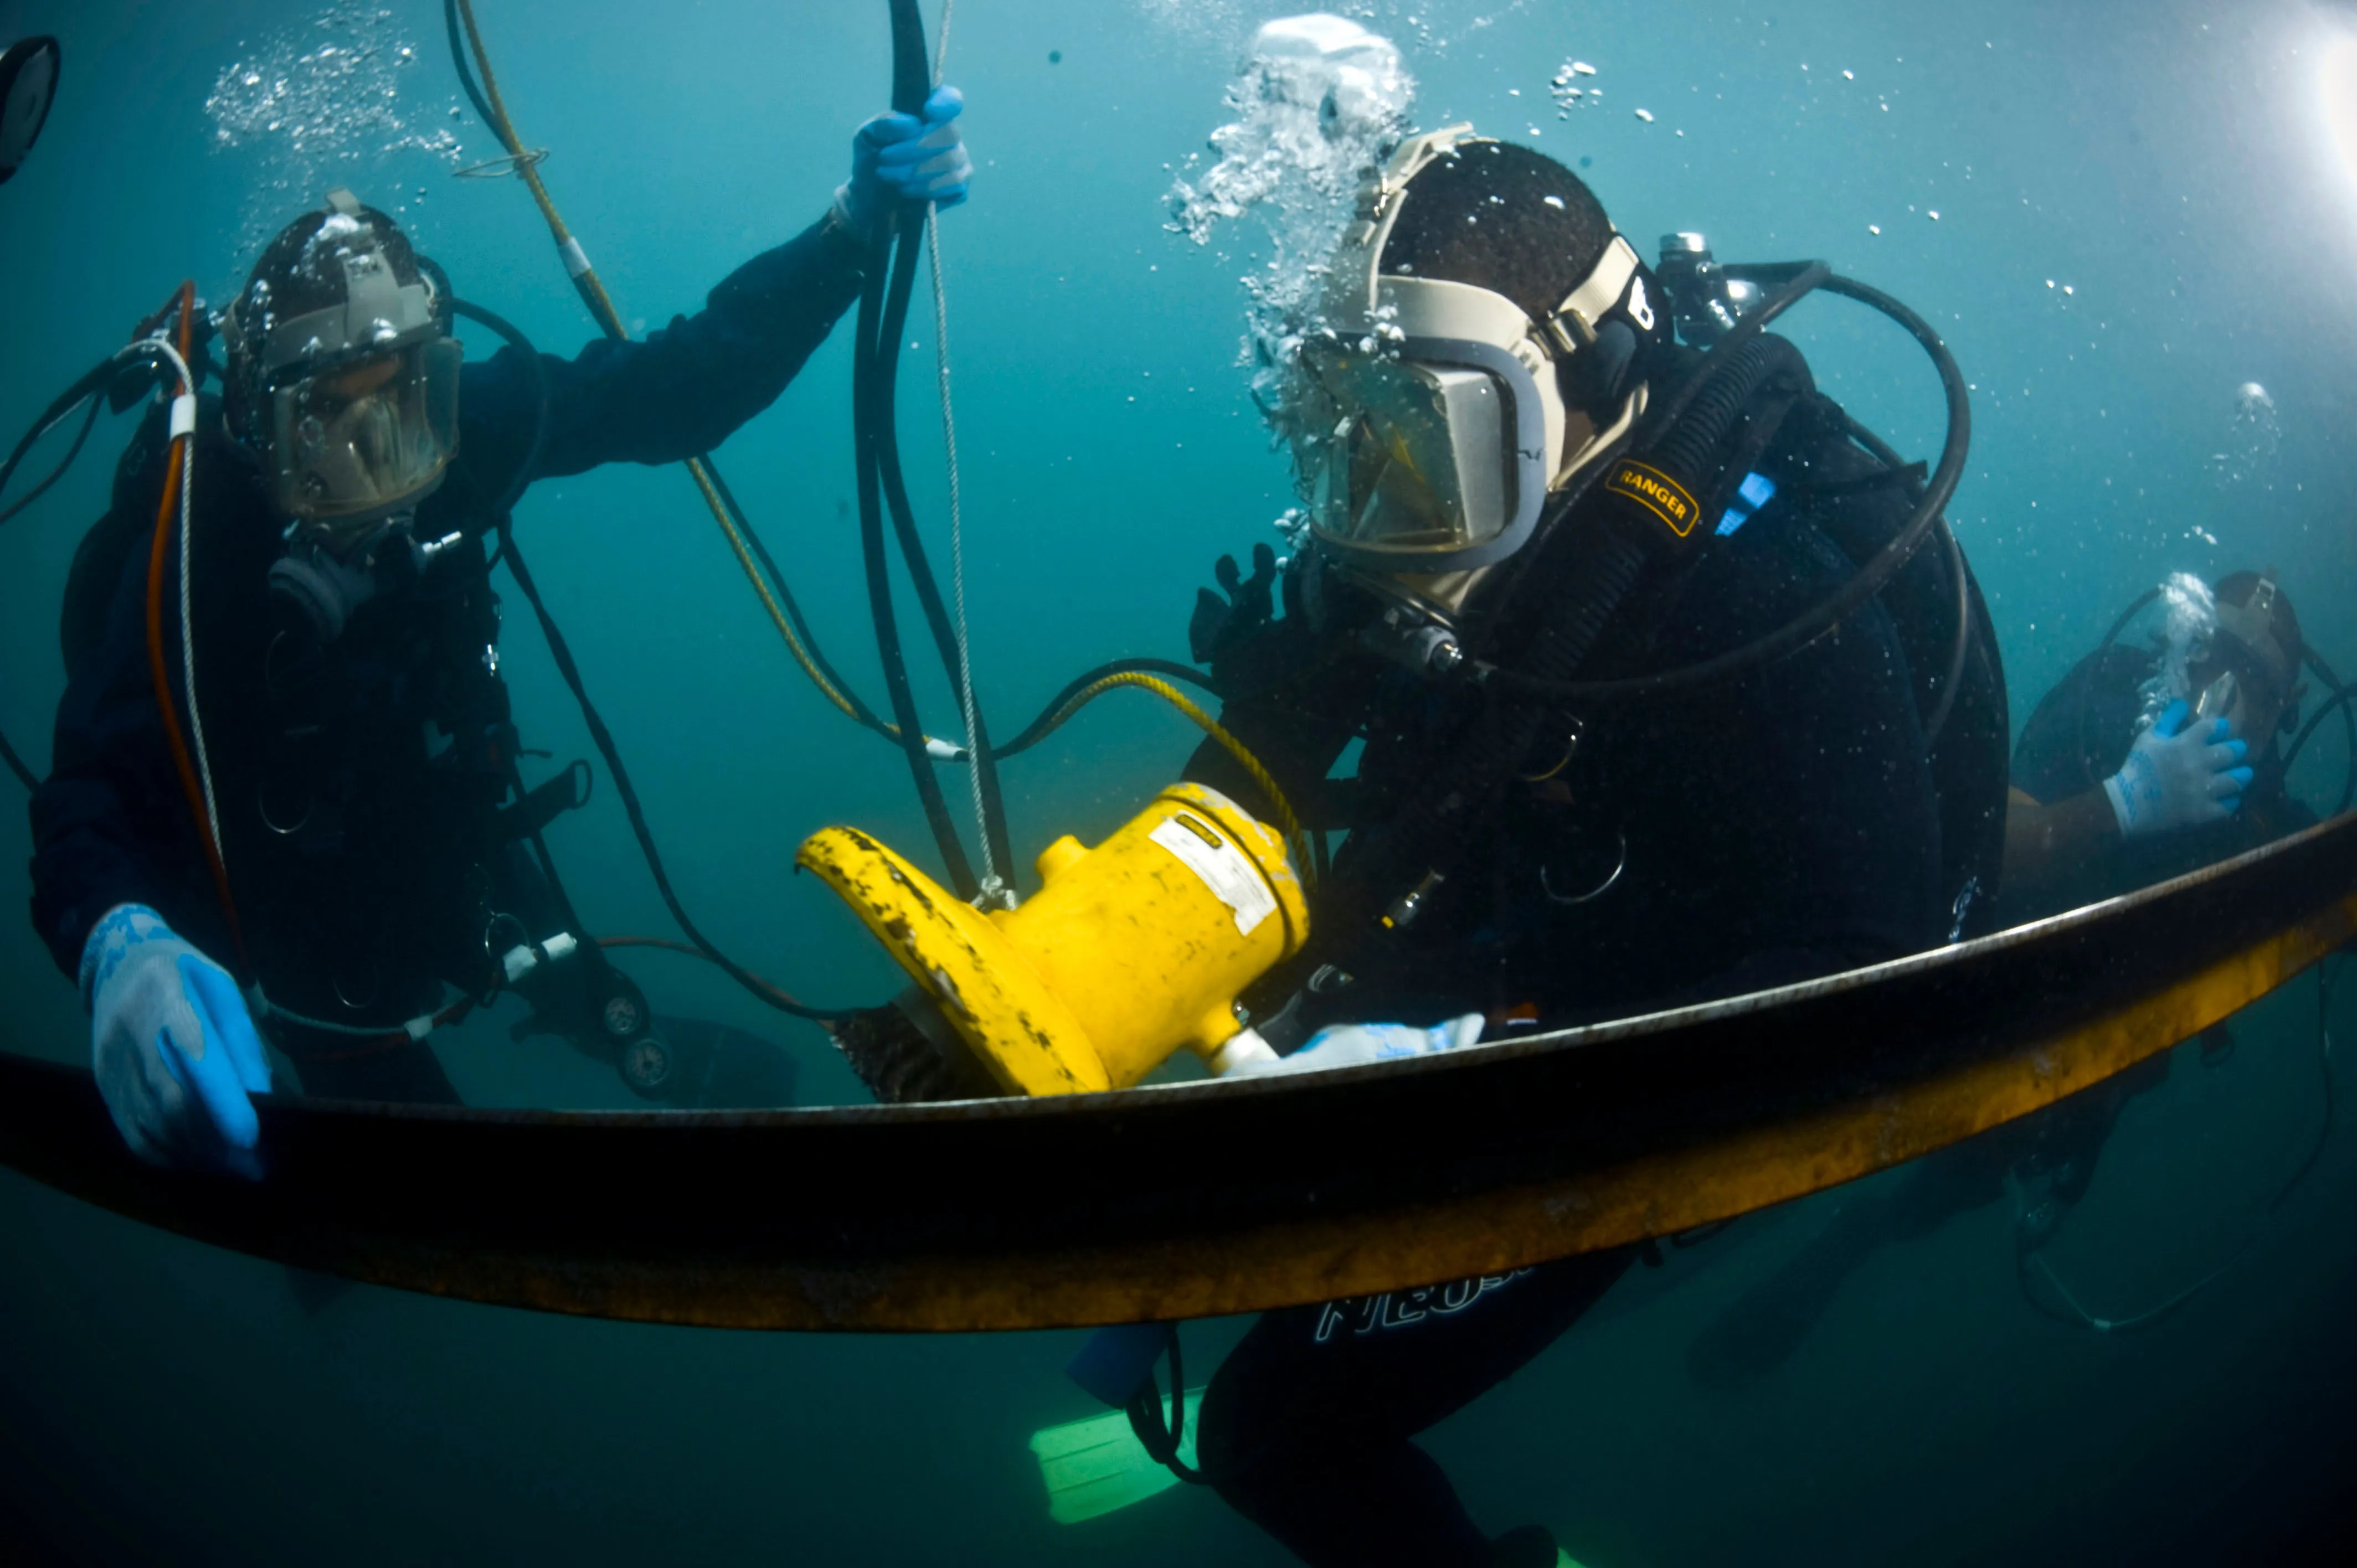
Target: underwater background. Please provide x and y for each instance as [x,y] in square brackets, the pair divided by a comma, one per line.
[2143,208]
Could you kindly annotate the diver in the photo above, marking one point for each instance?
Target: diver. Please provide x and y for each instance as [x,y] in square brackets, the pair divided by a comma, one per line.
[331,836]
[1492,437]
[2146,763]
[2139,767]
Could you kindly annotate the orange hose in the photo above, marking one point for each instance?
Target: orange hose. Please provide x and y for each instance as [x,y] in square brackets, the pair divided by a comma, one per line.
[177,463]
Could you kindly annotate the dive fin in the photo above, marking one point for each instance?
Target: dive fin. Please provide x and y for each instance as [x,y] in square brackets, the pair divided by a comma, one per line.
[1098,1466]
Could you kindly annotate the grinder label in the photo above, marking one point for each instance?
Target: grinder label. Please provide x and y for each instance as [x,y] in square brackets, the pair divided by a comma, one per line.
[1657,493]
[1222,867]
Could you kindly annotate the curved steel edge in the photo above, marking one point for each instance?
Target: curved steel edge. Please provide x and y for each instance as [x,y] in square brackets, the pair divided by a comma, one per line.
[1228,1198]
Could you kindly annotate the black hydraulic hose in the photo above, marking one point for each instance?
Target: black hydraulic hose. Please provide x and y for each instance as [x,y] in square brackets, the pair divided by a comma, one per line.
[604,739]
[465,77]
[913,78]
[1038,729]
[513,491]
[525,469]
[875,360]
[97,404]
[89,385]
[562,654]
[865,370]
[2343,700]
[912,84]
[15,764]
[912,547]
[1863,584]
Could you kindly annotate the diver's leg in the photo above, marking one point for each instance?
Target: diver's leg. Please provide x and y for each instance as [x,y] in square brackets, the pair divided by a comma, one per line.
[1761,1329]
[1305,1427]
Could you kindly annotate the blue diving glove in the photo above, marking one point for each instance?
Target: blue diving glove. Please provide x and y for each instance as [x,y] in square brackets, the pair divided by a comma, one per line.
[1355,1044]
[2179,777]
[898,159]
[174,1050]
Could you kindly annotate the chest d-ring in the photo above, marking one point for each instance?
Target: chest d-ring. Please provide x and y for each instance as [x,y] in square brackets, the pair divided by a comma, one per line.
[376,984]
[262,810]
[1546,884]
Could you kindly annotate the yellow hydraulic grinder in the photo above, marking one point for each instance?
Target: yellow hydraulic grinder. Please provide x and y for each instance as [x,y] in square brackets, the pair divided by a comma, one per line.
[1127,952]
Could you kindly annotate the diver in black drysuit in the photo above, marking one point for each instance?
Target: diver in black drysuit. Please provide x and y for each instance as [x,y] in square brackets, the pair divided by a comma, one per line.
[2067,845]
[1786,824]
[372,814]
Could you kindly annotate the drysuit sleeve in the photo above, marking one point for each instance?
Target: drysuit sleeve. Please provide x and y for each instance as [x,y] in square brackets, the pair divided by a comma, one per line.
[680,391]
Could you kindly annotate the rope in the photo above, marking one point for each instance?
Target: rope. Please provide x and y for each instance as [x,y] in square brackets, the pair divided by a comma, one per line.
[1287,823]
[188,630]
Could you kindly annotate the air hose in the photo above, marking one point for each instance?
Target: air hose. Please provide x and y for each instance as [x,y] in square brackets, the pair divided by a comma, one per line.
[1868,579]
[89,388]
[562,654]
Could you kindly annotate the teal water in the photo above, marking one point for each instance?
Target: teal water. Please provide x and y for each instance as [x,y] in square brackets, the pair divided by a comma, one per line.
[2142,206]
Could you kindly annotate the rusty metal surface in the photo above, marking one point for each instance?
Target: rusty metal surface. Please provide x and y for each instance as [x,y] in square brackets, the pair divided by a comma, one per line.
[1225,1198]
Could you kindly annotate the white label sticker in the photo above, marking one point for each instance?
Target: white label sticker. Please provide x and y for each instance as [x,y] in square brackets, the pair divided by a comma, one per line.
[1224,869]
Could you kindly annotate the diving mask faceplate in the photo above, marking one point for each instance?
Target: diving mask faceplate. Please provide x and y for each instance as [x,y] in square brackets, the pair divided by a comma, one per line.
[1432,422]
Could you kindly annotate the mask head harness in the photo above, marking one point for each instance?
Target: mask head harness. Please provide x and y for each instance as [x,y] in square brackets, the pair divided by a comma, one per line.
[1434,416]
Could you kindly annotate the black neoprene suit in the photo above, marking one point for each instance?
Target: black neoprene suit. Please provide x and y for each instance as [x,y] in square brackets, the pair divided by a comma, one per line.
[359,783]
[1782,826]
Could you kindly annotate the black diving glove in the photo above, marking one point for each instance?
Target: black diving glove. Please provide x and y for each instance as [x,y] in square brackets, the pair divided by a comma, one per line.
[1247,648]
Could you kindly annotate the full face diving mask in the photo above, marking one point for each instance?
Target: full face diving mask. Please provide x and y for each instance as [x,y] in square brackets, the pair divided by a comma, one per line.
[359,401]
[1432,422]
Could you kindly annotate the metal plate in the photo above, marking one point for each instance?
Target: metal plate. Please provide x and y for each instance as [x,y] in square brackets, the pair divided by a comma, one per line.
[1225,1198]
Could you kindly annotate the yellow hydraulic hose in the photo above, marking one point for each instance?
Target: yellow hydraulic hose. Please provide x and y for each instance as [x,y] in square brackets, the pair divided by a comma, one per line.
[601,307]
[1286,823]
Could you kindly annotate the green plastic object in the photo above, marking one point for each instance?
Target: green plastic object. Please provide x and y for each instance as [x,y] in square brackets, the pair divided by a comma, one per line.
[1098,1466]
